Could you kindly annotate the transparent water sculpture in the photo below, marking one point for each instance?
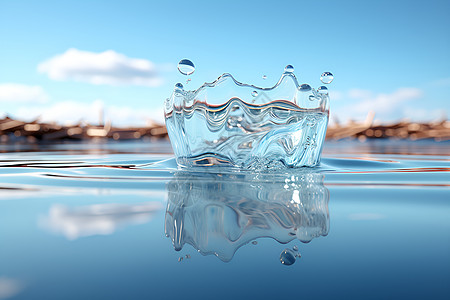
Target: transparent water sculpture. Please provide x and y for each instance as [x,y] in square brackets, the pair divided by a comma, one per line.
[230,124]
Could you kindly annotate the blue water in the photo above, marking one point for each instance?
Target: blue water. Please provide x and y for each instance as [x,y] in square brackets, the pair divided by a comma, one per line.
[89,221]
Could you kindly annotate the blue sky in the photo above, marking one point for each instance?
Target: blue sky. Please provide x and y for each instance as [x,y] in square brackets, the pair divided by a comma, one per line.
[388,56]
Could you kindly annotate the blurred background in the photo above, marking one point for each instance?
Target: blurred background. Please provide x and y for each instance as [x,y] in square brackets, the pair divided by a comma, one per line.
[107,61]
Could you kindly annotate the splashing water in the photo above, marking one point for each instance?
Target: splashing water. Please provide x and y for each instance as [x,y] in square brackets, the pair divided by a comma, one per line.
[326,77]
[289,69]
[323,90]
[228,123]
[186,67]
[305,88]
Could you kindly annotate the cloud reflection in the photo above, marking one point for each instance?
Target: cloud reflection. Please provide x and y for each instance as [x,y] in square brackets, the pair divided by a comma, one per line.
[9,287]
[218,213]
[99,219]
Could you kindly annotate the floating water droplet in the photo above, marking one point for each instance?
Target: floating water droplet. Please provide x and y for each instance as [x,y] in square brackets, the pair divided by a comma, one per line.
[304,88]
[254,242]
[180,258]
[188,80]
[295,248]
[186,67]
[188,256]
[179,85]
[326,77]
[322,90]
[287,257]
[264,77]
[254,93]
[289,69]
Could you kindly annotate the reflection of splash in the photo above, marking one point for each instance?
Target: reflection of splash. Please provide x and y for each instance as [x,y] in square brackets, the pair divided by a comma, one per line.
[97,219]
[218,213]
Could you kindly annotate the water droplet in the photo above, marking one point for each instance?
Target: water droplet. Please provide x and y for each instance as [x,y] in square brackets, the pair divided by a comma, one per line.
[287,257]
[188,256]
[322,90]
[254,242]
[289,69]
[180,258]
[264,77]
[326,77]
[186,67]
[254,93]
[179,85]
[304,88]
[295,248]
[188,80]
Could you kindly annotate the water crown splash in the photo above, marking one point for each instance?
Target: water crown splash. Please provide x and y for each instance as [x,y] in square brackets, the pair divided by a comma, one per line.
[227,123]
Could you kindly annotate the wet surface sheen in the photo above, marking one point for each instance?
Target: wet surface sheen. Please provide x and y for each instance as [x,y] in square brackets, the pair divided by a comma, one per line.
[103,220]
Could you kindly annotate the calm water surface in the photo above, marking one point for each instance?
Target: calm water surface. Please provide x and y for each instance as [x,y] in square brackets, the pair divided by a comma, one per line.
[119,221]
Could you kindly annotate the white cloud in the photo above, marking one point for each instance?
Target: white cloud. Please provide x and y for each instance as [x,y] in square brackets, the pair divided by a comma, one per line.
[14,92]
[443,82]
[108,67]
[357,103]
[71,112]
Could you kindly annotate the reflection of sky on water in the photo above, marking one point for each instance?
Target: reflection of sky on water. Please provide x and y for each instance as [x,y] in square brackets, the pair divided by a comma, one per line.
[98,219]
[219,213]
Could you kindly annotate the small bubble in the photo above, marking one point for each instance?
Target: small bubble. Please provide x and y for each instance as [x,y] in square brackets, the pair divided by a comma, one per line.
[254,93]
[326,77]
[186,67]
[322,90]
[289,69]
[264,77]
[254,242]
[179,85]
[188,80]
[295,248]
[287,257]
[188,256]
[180,258]
[304,88]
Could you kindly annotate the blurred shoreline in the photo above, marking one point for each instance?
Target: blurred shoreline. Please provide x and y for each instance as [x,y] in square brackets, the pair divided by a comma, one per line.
[12,130]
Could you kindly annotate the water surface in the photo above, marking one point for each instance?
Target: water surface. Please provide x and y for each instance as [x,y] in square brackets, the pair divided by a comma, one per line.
[102,221]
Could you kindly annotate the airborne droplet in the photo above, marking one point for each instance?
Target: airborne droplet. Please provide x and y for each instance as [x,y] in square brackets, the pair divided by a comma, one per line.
[254,93]
[326,77]
[287,257]
[186,67]
[322,90]
[264,77]
[289,69]
[304,88]
[295,248]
